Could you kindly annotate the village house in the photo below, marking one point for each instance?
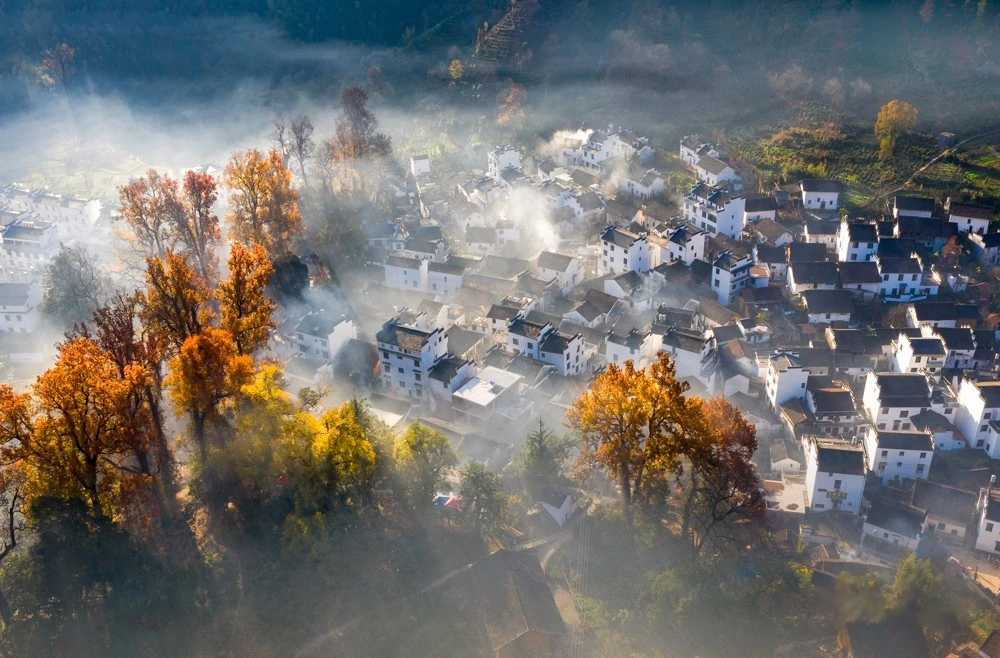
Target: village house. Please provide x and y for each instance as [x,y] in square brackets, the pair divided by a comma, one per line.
[988,520]
[828,306]
[408,355]
[730,274]
[896,456]
[892,399]
[941,315]
[597,308]
[774,258]
[685,244]
[820,275]
[448,375]
[633,290]
[28,245]
[959,345]
[322,336]
[769,230]
[820,194]
[969,217]
[835,475]
[986,248]
[693,148]
[688,348]
[942,430]
[856,241]
[642,183]
[978,408]
[923,355]
[759,208]
[622,251]
[822,231]
[714,171]
[950,510]
[715,210]
[903,205]
[420,165]
[902,279]
[638,347]
[493,395]
[19,312]
[502,159]
[891,523]
[862,279]
[565,270]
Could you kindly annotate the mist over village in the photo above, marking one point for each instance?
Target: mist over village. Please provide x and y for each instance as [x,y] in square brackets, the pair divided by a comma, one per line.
[500,328]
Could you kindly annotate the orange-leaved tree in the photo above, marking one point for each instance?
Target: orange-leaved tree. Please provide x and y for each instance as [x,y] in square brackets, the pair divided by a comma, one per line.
[198,228]
[245,309]
[173,303]
[150,207]
[80,443]
[636,424]
[263,205]
[206,372]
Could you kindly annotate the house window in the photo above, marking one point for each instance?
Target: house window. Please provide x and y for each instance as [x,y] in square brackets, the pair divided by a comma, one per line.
[416,376]
[515,341]
[920,469]
[923,455]
[989,527]
[904,413]
[836,485]
[885,453]
[416,362]
[385,354]
[400,370]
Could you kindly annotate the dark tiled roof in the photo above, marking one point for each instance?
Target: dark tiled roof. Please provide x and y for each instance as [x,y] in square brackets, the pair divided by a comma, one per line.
[618,237]
[944,501]
[927,346]
[899,266]
[828,301]
[480,235]
[858,232]
[858,272]
[834,457]
[555,342]
[897,517]
[822,226]
[990,391]
[903,389]
[500,312]
[904,441]
[447,368]
[991,645]
[402,261]
[833,400]
[525,328]
[913,203]
[760,204]
[552,261]
[970,210]
[405,337]
[770,229]
[768,254]
[806,251]
[818,273]
[712,165]
[816,185]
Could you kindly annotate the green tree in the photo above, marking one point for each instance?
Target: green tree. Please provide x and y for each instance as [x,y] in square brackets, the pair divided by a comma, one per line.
[484,503]
[916,584]
[423,457]
[542,457]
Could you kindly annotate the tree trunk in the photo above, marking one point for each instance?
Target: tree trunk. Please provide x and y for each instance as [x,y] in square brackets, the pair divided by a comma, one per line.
[689,505]
[198,420]
[626,496]
[5,611]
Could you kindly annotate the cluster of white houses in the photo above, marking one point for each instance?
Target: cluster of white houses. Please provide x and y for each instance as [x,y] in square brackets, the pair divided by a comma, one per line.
[768,299]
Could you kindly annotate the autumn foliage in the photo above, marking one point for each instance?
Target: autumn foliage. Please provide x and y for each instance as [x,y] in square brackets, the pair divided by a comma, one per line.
[263,205]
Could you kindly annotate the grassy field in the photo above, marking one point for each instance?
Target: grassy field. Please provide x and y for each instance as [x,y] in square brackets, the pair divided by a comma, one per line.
[813,144]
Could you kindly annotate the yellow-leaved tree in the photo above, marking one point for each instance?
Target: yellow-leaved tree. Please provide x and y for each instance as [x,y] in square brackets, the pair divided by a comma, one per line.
[895,118]
[636,424]
[263,205]
[246,310]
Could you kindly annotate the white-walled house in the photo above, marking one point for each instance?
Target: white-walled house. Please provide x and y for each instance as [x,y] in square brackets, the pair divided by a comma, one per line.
[19,312]
[893,523]
[693,148]
[950,510]
[821,275]
[566,270]
[978,407]
[968,217]
[685,244]
[924,355]
[904,205]
[820,194]
[756,208]
[988,520]
[856,241]
[420,165]
[892,399]
[623,251]
[642,184]
[28,245]
[501,159]
[407,355]
[638,347]
[730,274]
[835,475]
[786,379]
[898,455]
[713,171]
[322,336]
[715,210]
